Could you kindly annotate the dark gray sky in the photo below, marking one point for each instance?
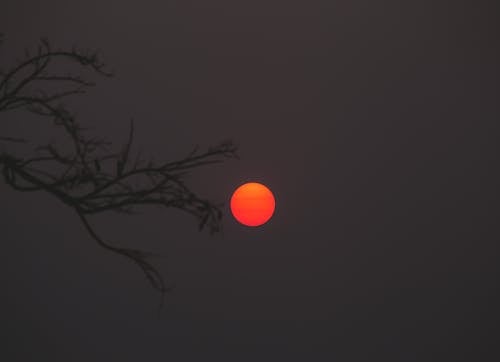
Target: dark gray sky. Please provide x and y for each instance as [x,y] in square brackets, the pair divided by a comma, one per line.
[375,123]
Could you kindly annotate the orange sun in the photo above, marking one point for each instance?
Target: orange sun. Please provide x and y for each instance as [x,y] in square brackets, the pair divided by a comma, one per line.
[252,204]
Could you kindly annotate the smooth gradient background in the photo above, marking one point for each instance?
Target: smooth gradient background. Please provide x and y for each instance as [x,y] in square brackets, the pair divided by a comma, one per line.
[375,123]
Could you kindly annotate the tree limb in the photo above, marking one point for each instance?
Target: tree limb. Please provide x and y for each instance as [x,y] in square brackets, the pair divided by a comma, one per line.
[86,177]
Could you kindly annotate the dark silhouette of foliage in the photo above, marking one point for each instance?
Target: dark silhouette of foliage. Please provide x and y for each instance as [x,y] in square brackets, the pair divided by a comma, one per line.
[86,176]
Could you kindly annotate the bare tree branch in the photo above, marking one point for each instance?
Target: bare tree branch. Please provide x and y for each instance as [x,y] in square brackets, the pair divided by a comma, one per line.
[86,176]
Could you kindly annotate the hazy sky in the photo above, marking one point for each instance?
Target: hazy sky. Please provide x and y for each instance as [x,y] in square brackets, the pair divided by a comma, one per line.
[375,123]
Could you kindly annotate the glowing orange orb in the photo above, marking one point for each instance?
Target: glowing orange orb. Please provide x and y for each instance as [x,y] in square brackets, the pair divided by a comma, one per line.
[252,204]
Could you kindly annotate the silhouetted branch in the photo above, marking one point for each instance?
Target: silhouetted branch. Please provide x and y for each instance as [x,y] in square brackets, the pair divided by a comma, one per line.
[86,176]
